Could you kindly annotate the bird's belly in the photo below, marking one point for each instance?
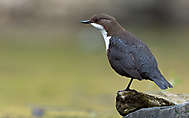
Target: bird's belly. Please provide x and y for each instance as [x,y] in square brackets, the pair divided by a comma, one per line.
[116,65]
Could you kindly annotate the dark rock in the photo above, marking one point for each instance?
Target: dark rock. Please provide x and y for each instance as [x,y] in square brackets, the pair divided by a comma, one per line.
[131,101]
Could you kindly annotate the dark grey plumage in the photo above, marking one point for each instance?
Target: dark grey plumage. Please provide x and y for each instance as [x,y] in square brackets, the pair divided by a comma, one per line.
[130,57]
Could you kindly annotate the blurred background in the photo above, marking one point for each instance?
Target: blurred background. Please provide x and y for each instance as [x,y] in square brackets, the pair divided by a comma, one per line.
[53,66]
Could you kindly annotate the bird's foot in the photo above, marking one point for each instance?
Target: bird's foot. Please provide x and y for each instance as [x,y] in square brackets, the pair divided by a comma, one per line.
[127,89]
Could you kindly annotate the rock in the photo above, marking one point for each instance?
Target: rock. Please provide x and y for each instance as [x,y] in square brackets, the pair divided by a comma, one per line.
[175,98]
[131,101]
[176,111]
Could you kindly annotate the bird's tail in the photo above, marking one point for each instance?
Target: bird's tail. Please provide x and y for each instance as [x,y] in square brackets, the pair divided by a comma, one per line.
[162,82]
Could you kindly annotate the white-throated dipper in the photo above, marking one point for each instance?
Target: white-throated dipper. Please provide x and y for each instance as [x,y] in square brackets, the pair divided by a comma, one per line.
[127,55]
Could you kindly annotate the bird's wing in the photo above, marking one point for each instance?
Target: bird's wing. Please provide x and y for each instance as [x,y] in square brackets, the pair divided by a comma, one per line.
[148,67]
[144,58]
[136,58]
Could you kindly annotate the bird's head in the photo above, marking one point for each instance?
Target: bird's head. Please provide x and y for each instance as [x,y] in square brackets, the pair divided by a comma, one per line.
[104,22]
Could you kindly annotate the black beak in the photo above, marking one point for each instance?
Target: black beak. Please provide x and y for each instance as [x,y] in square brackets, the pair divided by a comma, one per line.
[86,21]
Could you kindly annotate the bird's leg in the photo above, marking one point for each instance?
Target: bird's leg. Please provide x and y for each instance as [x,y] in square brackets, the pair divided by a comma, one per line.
[128,89]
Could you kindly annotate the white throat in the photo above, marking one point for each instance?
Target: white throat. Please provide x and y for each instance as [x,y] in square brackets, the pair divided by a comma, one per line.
[104,34]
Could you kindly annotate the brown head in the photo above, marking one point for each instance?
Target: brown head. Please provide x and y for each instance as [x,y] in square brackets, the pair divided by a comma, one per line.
[104,22]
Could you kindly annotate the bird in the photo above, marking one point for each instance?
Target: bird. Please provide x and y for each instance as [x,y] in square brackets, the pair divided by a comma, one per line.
[127,55]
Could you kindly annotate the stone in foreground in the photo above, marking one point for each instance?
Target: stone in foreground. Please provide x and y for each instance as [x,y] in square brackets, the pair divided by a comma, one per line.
[176,111]
[131,101]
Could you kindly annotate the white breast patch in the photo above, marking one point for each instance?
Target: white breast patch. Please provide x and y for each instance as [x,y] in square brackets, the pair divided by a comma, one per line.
[104,34]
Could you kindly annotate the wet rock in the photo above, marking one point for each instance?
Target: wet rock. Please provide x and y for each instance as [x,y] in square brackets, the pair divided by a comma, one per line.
[131,101]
